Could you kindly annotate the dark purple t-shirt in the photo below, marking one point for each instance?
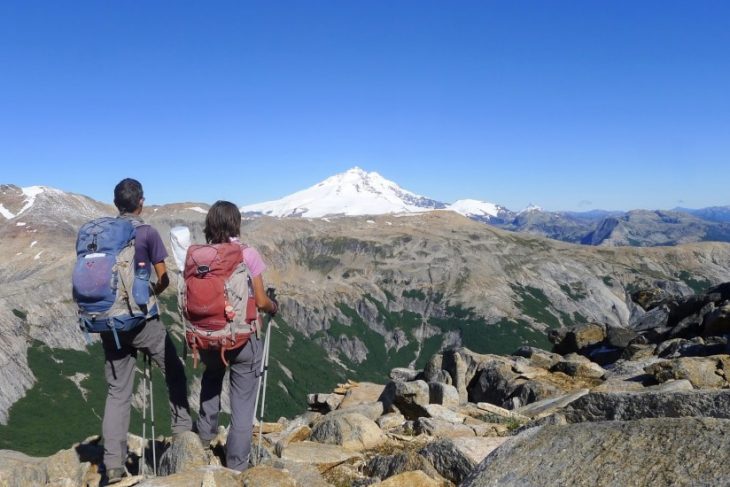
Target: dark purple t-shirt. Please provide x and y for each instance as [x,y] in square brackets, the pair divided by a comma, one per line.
[148,246]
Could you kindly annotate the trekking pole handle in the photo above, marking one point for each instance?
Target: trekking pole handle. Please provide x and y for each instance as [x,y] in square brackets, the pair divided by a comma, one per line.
[271,294]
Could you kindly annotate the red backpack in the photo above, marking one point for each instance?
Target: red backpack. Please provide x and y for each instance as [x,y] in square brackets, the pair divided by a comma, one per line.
[218,300]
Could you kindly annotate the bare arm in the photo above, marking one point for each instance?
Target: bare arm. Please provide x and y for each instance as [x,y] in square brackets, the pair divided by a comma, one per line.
[162,279]
[263,302]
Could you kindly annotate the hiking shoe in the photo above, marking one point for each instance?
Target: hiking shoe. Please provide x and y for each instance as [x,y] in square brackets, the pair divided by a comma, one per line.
[114,475]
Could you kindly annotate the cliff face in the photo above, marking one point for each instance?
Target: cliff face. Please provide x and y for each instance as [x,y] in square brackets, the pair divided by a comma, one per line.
[400,283]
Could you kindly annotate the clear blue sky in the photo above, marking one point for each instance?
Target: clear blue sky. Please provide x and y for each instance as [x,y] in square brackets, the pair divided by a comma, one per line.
[566,104]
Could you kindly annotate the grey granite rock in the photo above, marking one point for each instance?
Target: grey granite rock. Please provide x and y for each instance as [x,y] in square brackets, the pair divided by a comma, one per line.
[650,452]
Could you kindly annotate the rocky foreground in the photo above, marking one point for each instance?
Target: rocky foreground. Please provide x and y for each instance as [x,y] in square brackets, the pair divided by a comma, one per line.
[644,405]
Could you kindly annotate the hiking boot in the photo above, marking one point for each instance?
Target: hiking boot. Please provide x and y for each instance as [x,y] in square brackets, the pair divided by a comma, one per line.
[114,475]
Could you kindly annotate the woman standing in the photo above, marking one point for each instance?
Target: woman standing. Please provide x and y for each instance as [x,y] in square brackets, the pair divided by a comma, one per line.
[223,225]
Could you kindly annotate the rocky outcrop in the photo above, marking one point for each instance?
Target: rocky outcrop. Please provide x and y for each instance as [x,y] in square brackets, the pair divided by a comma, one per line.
[664,451]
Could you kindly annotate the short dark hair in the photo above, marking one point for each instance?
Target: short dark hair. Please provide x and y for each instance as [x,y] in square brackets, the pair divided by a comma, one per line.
[128,195]
[222,222]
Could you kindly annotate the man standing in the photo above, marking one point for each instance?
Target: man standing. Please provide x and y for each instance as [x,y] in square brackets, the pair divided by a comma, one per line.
[150,338]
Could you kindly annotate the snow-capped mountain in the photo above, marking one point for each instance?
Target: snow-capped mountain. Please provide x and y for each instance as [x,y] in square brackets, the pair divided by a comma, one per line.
[45,205]
[479,210]
[354,192]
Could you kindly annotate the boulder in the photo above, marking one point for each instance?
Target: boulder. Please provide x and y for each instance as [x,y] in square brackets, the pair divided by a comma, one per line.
[702,372]
[17,469]
[448,460]
[438,411]
[432,372]
[267,476]
[532,391]
[371,410]
[494,383]
[65,467]
[580,337]
[477,449]
[537,356]
[323,456]
[662,451]
[324,402]
[308,474]
[390,421]
[408,397]
[184,454]
[638,351]
[619,337]
[385,466]
[631,406]
[351,431]
[209,476]
[444,394]
[363,393]
[649,298]
[717,322]
[440,428]
[291,435]
[410,479]
[576,365]
[498,411]
[404,374]
[463,365]
[546,407]
[655,319]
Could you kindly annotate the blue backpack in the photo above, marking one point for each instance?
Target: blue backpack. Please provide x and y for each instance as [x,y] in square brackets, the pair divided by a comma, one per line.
[112,293]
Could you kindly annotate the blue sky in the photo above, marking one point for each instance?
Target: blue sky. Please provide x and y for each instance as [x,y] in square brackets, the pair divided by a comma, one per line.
[566,104]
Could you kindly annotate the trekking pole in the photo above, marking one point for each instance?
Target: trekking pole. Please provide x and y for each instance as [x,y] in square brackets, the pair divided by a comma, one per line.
[142,463]
[152,419]
[271,293]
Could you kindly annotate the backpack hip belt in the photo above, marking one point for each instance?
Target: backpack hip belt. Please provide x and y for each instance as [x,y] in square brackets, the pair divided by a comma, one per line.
[231,337]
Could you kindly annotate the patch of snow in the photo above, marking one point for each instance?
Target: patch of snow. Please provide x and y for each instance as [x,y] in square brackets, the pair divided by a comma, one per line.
[198,209]
[20,224]
[6,213]
[372,222]
[281,384]
[33,243]
[19,253]
[38,255]
[531,207]
[31,192]
[388,223]
[470,207]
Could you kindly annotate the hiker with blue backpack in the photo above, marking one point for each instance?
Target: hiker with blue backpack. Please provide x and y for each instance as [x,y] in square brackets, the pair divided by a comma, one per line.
[112,287]
[222,297]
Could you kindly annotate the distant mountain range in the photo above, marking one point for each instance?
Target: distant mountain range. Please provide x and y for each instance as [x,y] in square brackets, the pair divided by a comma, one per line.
[358,192]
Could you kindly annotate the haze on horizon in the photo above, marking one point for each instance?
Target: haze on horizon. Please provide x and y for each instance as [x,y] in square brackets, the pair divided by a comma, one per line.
[568,105]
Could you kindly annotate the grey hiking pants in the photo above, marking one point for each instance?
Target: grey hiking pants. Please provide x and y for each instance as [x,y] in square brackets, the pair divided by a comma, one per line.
[152,339]
[245,363]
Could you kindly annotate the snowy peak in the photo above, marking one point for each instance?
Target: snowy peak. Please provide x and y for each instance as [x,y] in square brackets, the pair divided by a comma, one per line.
[44,205]
[354,192]
[475,208]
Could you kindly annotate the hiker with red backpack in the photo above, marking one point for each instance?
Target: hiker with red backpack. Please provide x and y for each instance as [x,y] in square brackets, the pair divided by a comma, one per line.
[222,295]
[111,285]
